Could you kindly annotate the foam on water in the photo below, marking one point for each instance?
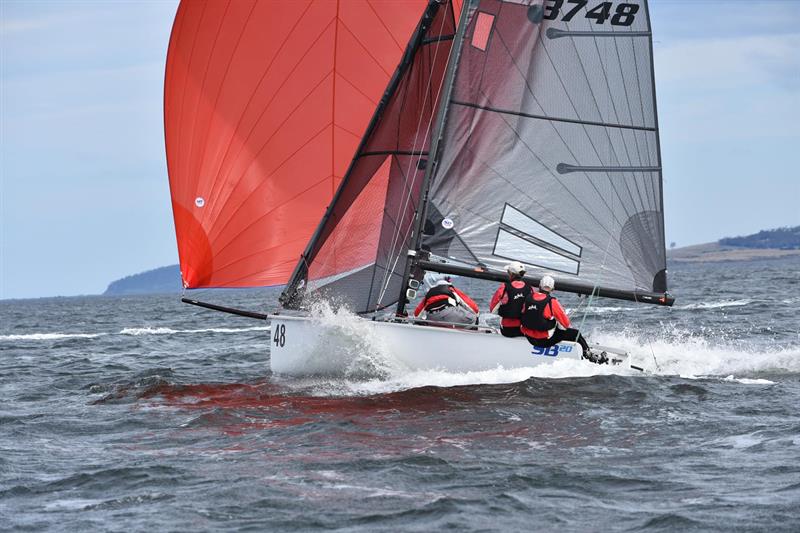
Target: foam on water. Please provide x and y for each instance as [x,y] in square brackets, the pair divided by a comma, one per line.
[677,354]
[50,336]
[125,331]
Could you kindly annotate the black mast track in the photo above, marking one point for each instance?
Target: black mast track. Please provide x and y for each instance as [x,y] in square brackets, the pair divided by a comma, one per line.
[417,40]
[566,286]
[430,168]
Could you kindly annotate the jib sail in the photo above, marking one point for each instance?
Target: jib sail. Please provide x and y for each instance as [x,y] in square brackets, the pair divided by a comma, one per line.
[358,255]
[549,151]
[265,103]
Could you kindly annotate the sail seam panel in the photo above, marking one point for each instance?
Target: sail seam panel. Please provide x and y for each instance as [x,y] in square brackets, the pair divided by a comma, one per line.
[244,142]
[179,164]
[591,141]
[199,162]
[265,181]
[266,214]
[385,27]
[333,99]
[255,90]
[605,130]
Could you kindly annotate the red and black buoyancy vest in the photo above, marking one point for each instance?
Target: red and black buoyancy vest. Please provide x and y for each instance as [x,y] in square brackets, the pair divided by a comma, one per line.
[516,297]
[439,297]
[533,317]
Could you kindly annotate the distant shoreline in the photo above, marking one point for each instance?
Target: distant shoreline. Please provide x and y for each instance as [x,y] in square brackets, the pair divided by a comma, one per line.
[714,252]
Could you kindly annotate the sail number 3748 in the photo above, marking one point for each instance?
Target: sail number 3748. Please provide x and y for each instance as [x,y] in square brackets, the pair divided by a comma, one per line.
[623,15]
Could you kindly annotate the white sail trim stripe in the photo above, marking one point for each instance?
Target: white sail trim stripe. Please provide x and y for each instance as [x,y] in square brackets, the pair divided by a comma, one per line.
[519,221]
[509,246]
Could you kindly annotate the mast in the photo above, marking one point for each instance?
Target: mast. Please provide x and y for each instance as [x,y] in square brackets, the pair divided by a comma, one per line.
[430,168]
[300,271]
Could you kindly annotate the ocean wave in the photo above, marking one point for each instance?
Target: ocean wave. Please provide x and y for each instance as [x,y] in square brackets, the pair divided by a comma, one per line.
[715,305]
[126,331]
[50,336]
[169,331]
[687,355]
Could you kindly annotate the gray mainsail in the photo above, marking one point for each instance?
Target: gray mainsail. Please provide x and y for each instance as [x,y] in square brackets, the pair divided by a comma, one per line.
[549,151]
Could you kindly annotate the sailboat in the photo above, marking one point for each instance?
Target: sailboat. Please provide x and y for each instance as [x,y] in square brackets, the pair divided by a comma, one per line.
[507,130]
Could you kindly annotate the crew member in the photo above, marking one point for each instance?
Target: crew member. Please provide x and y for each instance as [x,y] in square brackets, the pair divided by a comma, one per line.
[544,322]
[509,299]
[445,303]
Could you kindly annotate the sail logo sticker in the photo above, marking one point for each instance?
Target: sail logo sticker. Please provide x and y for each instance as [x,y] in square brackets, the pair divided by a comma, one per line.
[199,201]
[525,239]
[447,223]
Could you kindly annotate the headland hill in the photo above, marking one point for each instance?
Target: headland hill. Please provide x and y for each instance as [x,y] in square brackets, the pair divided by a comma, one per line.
[764,245]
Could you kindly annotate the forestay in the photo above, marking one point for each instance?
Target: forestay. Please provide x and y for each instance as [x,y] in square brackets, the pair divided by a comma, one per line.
[549,152]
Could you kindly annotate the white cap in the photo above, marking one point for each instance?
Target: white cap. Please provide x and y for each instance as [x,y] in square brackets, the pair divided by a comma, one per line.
[547,283]
[515,268]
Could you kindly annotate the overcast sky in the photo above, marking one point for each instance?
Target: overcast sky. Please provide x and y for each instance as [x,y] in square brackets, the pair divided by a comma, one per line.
[84,197]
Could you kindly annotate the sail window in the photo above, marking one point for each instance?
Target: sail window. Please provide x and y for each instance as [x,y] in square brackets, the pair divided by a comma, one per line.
[509,246]
[521,222]
[483,28]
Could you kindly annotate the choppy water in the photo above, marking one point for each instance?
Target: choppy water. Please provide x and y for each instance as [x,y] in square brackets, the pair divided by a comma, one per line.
[130,414]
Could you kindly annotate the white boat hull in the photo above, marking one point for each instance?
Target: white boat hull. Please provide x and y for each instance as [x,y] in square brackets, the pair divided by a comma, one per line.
[302,346]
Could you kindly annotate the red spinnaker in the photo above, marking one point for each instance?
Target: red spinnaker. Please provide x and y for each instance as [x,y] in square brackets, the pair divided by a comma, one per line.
[265,103]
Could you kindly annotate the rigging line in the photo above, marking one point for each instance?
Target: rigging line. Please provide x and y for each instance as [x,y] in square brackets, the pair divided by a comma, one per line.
[558,133]
[614,108]
[407,198]
[218,183]
[596,284]
[417,131]
[178,164]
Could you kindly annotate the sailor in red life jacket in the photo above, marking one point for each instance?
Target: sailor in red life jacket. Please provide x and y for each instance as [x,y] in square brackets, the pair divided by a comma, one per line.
[445,303]
[509,298]
[544,322]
